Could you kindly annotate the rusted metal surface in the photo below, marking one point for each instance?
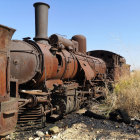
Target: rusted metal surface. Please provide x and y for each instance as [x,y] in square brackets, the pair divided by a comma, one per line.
[3,65]
[98,65]
[41,21]
[55,39]
[92,66]
[115,64]
[25,61]
[50,63]
[8,106]
[89,73]
[50,83]
[61,43]
[125,70]
[34,92]
[8,116]
[5,37]
[63,65]
[30,117]
[71,65]
[82,43]
[65,98]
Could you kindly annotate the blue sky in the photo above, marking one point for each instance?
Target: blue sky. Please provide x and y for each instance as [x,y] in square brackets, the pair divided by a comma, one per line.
[112,25]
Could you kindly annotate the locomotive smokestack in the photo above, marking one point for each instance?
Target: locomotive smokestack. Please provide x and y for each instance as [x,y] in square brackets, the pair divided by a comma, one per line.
[41,21]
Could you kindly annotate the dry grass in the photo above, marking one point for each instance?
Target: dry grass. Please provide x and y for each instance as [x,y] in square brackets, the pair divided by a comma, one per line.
[126,95]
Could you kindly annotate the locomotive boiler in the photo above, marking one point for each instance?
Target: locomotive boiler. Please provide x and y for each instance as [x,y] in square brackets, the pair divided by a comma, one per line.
[49,76]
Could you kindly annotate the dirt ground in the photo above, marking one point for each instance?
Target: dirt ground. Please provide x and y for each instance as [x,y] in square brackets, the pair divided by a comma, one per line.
[76,126]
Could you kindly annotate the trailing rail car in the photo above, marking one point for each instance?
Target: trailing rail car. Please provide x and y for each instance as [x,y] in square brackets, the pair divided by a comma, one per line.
[50,76]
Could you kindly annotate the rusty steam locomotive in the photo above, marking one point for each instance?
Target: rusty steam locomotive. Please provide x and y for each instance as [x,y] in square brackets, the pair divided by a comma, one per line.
[50,76]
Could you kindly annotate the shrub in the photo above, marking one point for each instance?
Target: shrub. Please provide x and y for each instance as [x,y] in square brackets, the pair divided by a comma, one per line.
[126,95]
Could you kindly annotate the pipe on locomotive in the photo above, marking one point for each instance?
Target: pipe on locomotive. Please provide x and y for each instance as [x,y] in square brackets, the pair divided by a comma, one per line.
[41,21]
